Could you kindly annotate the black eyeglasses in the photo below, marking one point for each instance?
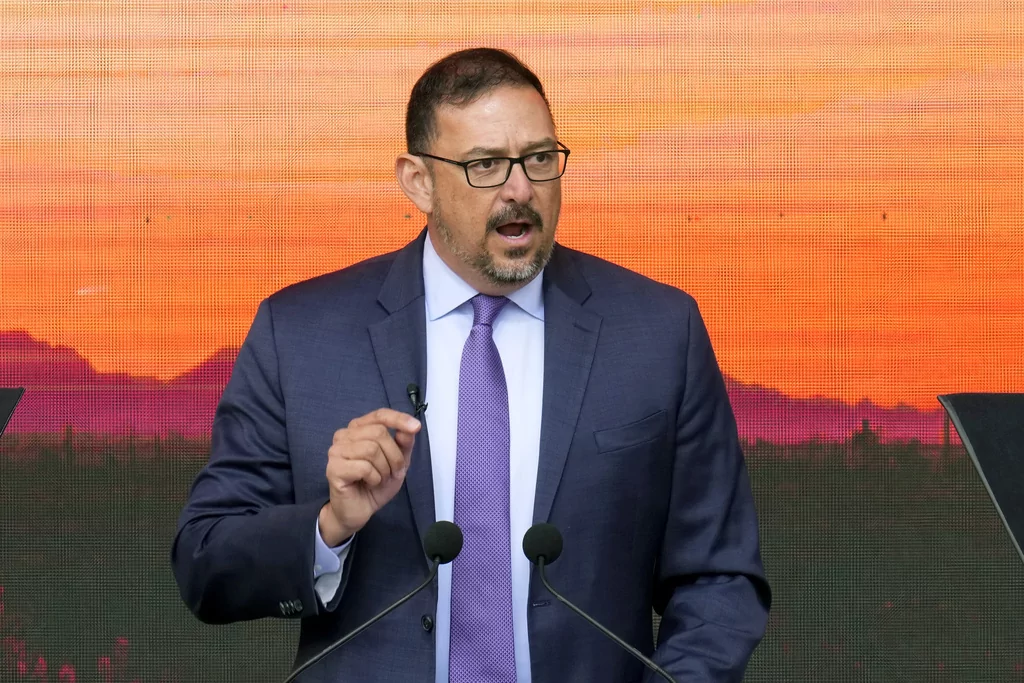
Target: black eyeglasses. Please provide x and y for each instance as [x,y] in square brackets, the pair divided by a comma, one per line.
[494,171]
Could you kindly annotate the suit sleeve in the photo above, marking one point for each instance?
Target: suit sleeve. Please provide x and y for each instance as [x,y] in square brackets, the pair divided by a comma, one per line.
[710,584]
[244,549]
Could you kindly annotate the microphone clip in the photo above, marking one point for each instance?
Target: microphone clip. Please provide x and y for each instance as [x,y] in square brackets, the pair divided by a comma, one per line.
[415,398]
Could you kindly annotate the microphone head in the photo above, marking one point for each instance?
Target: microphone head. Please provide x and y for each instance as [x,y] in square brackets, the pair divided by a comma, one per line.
[542,540]
[443,541]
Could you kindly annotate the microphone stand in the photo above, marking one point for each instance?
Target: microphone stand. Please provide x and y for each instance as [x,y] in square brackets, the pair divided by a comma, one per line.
[629,648]
[334,646]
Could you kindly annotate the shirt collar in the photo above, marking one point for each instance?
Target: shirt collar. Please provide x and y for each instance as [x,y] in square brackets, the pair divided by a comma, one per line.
[445,291]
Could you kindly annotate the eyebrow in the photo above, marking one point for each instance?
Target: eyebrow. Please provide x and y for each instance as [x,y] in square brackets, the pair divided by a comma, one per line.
[476,152]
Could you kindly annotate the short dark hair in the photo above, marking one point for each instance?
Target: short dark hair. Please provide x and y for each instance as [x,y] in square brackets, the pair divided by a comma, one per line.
[459,79]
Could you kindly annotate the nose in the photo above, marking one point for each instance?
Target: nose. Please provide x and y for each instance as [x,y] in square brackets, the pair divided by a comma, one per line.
[518,187]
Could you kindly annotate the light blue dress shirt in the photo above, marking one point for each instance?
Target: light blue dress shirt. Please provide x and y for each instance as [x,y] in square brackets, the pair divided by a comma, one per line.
[519,335]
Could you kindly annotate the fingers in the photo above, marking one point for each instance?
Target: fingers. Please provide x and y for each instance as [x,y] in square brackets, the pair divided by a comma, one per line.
[382,452]
[405,441]
[391,419]
[367,439]
[342,473]
[382,449]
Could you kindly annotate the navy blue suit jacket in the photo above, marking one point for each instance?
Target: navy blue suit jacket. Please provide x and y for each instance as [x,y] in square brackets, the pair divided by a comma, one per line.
[640,468]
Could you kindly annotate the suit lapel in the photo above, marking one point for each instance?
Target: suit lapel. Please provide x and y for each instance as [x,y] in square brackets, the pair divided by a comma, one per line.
[400,348]
[570,340]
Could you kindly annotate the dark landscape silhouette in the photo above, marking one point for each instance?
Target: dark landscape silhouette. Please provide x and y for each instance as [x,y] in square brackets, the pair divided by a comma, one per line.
[64,389]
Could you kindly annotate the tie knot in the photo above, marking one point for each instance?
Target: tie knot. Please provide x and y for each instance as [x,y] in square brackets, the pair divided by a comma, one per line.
[486,308]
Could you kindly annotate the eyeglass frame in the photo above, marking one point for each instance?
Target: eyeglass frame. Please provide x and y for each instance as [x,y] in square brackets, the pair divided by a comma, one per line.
[514,160]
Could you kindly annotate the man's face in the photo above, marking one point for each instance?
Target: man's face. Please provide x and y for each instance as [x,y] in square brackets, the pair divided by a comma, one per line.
[497,238]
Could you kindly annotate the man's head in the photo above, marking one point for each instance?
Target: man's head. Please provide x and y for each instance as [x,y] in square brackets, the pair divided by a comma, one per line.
[472,105]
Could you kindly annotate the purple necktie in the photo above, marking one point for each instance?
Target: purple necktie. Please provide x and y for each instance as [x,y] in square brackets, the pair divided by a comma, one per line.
[482,645]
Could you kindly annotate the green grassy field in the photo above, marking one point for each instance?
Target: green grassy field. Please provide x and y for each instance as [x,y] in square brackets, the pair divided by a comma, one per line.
[890,568]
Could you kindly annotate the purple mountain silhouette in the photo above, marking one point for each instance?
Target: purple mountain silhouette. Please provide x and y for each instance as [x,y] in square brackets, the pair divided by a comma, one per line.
[62,388]
[772,416]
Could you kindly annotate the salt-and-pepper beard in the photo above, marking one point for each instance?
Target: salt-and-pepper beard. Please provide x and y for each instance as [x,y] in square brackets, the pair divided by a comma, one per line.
[482,261]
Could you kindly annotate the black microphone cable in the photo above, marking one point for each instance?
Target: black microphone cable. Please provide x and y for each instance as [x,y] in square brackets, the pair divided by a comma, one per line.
[442,543]
[542,545]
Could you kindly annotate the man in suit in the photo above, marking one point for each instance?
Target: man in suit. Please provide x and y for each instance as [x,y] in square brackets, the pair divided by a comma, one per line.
[560,388]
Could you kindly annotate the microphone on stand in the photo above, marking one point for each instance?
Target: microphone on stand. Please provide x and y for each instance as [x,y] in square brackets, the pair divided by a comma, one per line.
[442,544]
[542,545]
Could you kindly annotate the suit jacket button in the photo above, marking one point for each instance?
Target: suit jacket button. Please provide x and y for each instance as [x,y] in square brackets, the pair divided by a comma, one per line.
[297,606]
[427,623]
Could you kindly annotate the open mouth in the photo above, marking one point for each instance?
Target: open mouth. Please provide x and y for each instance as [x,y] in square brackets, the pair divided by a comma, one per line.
[516,230]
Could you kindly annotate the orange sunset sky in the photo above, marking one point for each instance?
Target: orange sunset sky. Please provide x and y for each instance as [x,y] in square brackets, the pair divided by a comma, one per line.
[838,184]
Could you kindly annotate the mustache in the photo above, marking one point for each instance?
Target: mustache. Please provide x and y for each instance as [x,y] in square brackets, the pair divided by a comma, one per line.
[515,212]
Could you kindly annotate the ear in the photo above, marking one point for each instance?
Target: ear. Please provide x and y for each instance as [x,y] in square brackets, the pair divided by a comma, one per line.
[415,181]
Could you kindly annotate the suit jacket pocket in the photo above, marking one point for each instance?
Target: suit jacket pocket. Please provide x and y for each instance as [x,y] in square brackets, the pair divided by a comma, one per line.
[617,438]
